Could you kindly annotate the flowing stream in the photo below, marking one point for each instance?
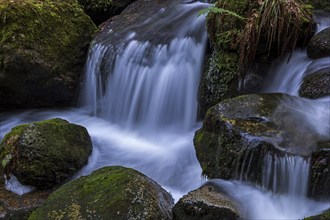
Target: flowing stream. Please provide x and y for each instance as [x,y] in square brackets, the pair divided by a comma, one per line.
[139,104]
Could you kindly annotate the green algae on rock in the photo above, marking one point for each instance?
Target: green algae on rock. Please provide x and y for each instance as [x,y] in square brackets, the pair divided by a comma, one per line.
[44,154]
[43,48]
[108,193]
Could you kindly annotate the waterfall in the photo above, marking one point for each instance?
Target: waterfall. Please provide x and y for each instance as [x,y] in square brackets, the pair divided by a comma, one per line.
[145,87]
[149,83]
[139,96]
[153,93]
[139,104]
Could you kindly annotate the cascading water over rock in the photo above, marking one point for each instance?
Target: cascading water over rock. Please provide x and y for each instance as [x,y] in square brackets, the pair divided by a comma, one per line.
[139,97]
[151,82]
[139,104]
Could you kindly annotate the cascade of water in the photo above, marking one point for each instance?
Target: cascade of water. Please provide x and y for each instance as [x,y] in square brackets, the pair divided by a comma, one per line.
[285,174]
[149,84]
[258,204]
[139,100]
[152,84]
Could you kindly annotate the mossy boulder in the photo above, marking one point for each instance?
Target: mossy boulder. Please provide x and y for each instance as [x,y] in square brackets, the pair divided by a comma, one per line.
[108,193]
[319,45]
[237,133]
[207,202]
[44,154]
[43,48]
[102,10]
[320,171]
[316,85]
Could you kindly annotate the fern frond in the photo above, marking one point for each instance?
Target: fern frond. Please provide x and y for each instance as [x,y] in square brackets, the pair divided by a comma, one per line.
[217,10]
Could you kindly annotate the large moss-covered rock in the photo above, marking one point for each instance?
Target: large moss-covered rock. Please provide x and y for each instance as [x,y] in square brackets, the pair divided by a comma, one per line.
[207,202]
[316,85]
[237,133]
[320,171]
[44,154]
[102,10]
[108,193]
[43,47]
[319,45]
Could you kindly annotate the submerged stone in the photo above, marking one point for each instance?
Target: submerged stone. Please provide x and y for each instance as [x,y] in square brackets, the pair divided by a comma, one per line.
[44,154]
[207,202]
[108,193]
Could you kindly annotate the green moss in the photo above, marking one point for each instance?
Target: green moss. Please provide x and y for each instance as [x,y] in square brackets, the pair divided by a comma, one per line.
[219,81]
[324,216]
[8,148]
[323,5]
[111,192]
[43,46]
[31,23]
[43,154]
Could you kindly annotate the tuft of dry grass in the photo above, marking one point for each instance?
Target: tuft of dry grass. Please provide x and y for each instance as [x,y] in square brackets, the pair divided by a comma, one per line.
[279,22]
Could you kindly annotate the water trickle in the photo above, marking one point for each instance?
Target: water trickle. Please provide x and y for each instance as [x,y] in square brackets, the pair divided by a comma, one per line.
[286,174]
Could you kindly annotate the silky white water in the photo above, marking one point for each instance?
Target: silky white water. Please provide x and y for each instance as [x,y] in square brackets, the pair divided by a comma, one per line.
[139,104]
[139,99]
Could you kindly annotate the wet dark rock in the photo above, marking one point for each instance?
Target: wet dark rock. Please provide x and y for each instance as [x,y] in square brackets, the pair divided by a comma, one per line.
[102,10]
[319,45]
[316,85]
[207,202]
[44,154]
[319,186]
[108,193]
[42,52]
[237,133]
[19,207]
